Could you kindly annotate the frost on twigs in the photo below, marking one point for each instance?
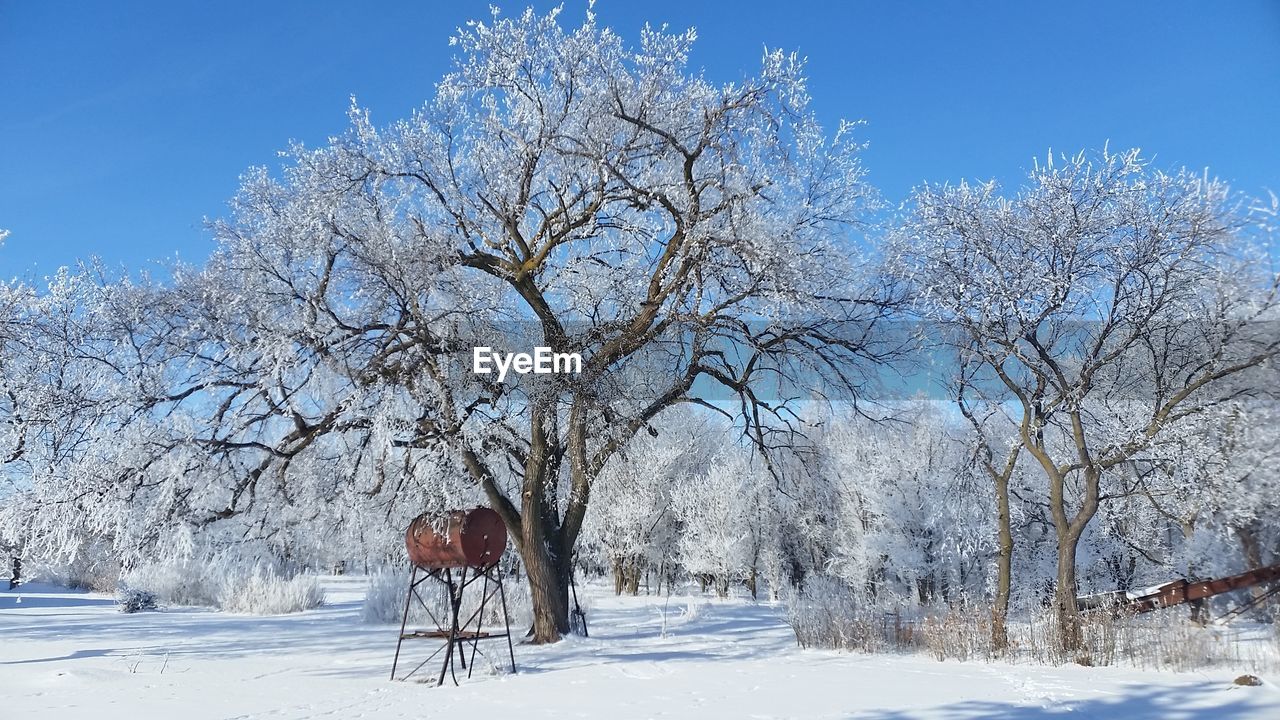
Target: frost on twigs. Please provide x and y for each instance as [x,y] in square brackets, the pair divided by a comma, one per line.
[263,591]
[227,584]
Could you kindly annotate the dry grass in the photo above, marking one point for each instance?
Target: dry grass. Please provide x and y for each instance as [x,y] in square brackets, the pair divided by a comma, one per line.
[1157,641]
[825,614]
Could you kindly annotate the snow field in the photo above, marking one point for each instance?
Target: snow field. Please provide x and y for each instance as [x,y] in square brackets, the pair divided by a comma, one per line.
[69,655]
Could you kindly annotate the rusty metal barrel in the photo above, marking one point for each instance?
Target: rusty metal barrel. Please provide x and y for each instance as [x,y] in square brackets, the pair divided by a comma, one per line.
[459,538]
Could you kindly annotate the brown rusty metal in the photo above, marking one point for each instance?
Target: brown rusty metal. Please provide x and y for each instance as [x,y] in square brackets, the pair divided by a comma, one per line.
[454,632]
[456,550]
[1181,591]
[457,539]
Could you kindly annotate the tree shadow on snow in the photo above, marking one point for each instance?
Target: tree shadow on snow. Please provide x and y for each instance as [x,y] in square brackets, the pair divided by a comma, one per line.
[77,655]
[1197,701]
[39,595]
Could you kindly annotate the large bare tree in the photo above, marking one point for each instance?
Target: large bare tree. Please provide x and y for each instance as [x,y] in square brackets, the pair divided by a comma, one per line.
[688,240]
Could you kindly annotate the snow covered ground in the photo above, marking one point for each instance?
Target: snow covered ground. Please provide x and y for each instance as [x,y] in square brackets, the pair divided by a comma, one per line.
[72,655]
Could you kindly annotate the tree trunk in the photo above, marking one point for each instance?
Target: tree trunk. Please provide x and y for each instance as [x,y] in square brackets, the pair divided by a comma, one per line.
[1252,557]
[548,585]
[1068,529]
[1251,548]
[1199,608]
[542,543]
[543,539]
[633,577]
[1068,614]
[1004,566]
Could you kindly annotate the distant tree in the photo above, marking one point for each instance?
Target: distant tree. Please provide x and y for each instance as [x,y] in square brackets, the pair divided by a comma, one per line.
[727,518]
[904,506]
[632,525]
[1106,302]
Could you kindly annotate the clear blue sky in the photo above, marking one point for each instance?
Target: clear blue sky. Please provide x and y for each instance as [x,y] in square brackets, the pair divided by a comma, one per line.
[124,124]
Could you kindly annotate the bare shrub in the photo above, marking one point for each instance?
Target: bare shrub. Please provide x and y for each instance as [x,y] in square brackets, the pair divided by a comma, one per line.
[827,613]
[1168,641]
[227,584]
[132,600]
[824,613]
[1157,641]
[179,582]
[264,591]
[1037,638]
[961,633]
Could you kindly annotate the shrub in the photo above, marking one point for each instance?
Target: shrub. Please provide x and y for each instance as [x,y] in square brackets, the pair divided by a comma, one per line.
[132,600]
[93,568]
[227,585]
[828,613]
[960,633]
[385,598]
[180,582]
[262,591]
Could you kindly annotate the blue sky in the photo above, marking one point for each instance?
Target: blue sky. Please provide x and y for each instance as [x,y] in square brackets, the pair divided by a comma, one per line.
[124,124]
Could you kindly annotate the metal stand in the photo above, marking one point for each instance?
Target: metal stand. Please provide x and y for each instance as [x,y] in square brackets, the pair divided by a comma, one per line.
[457,633]
[1274,592]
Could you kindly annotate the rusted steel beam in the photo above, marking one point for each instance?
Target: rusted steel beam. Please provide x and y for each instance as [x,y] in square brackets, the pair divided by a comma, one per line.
[1180,591]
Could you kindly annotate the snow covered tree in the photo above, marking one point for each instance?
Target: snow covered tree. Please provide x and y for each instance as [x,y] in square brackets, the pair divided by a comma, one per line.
[1106,301]
[907,517]
[632,524]
[564,190]
[727,518]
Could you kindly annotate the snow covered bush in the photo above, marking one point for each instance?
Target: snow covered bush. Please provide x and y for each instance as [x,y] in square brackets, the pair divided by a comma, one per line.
[825,613]
[179,582]
[385,597]
[263,591]
[132,600]
[99,577]
[89,566]
[227,584]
